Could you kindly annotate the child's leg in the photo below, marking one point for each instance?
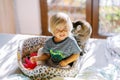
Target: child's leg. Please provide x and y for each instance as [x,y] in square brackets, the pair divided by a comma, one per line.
[52,64]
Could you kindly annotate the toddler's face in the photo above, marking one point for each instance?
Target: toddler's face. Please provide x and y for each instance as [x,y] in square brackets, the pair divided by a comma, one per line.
[61,32]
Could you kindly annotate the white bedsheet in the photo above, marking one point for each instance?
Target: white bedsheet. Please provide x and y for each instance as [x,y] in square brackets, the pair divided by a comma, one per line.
[8,58]
[96,54]
[8,54]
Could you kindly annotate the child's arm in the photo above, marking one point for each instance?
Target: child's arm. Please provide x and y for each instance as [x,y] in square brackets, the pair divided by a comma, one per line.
[70,59]
[42,57]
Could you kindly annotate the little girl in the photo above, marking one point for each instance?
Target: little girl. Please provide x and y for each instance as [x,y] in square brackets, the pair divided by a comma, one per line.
[59,50]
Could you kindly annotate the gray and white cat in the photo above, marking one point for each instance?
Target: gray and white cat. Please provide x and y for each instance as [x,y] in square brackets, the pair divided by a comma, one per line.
[81,31]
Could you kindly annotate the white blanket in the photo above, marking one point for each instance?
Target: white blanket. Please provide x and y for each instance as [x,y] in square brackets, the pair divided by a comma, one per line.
[8,54]
[96,58]
[113,51]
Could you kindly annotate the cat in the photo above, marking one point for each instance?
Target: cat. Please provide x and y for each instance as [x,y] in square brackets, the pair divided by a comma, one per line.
[82,31]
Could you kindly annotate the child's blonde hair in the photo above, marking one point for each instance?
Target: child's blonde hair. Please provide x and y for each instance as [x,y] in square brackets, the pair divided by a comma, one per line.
[60,19]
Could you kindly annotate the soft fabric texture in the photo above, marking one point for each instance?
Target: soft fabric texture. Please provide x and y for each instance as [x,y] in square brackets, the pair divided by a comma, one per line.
[113,51]
[96,56]
[17,77]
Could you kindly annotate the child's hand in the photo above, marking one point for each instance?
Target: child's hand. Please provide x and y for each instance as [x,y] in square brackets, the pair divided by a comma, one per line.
[63,63]
[33,59]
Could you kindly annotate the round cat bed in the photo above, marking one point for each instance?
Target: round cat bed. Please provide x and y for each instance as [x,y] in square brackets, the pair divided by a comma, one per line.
[42,72]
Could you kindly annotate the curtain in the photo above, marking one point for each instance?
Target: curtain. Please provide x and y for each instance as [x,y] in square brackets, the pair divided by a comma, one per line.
[7,21]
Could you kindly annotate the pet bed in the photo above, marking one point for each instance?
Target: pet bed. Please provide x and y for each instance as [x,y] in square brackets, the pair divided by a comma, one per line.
[42,72]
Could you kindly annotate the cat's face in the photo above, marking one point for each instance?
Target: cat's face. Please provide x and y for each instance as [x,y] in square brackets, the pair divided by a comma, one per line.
[77,30]
[81,29]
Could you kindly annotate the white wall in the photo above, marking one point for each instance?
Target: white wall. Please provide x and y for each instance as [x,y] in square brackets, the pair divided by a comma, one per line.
[27,16]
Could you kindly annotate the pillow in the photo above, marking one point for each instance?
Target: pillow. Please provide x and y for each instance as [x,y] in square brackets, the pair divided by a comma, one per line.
[113,44]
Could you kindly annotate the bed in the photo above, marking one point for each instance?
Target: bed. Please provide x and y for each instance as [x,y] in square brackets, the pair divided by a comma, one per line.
[99,63]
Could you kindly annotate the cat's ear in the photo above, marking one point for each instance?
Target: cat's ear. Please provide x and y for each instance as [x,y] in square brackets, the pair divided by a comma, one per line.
[74,24]
[77,23]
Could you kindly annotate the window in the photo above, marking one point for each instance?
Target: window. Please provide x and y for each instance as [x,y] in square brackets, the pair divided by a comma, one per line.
[109,17]
[104,16]
[76,9]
